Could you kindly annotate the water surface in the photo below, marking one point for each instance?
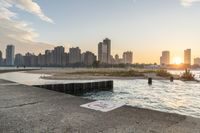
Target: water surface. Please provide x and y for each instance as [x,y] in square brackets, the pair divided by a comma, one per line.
[175,97]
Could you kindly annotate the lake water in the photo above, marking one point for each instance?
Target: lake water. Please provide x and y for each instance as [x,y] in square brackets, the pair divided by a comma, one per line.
[175,97]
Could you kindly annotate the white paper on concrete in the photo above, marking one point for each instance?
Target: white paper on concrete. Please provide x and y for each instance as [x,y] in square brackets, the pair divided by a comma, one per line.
[103,106]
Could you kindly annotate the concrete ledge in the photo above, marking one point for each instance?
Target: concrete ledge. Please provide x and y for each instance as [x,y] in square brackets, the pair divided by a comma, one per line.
[16,70]
[28,109]
[79,89]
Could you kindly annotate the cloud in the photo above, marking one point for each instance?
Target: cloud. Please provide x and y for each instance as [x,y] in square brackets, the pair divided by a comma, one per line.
[28,6]
[6,14]
[188,2]
[17,31]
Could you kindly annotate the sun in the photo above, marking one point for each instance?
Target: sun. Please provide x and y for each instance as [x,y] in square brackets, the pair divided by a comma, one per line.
[177,60]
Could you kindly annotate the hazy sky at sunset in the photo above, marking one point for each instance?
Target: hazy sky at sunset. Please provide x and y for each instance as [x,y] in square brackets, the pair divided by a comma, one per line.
[145,27]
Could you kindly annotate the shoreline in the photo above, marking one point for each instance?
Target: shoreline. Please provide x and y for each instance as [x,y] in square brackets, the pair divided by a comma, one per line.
[24,108]
[16,70]
[78,77]
[92,74]
[98,74]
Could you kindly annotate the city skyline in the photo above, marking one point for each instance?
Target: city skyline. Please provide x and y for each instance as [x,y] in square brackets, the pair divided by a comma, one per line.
[33,26]
[58,56]
[165,59]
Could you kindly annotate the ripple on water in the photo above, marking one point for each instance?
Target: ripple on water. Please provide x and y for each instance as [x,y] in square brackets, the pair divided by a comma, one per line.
[176,97]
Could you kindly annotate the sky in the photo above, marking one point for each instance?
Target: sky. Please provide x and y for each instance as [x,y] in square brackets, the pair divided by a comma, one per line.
[146,27]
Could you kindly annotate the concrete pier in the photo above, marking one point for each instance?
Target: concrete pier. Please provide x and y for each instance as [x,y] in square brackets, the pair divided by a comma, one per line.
[26,109]
[79,89]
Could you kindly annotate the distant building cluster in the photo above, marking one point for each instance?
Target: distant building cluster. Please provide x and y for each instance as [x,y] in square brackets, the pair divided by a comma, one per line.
[105,57]
[127,58]
[58,57]
[165,58]
[104,51]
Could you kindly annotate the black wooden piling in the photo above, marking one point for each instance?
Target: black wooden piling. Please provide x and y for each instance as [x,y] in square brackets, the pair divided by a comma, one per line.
[150,81]
[171,79]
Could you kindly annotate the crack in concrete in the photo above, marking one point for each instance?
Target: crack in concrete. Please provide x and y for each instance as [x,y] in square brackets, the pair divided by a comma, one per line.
[20,105]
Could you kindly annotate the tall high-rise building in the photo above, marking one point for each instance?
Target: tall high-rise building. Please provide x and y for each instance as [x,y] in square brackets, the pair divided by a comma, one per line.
[165,58]
[30,60]
[58,54]
[10,53]
[48,58]
[74,55]
[34,60]
[197,61]
[88,58]
[108,43]
[187,56]
[116,59]
[128,57]
[41,60]
[104,51]
[82,57]
[19,60]
[65,59]
[1,58]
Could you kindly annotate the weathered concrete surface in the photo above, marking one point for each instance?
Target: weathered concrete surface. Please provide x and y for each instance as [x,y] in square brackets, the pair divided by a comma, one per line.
[34,110]
[16,70]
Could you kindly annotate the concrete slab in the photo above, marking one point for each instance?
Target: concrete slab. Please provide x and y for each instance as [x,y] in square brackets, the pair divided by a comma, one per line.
[6,84]
[28,109]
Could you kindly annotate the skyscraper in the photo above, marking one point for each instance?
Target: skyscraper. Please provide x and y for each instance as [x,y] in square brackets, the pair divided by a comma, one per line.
[41,60]
[128,57]
[19,60]
[165,58]
[48,58]
[58,54]
[30,59]
[88,58]
[10,53]
[65,59]
[1,58]
[197,61]
[108,43]
[74,55]
[187,56]
[104,51]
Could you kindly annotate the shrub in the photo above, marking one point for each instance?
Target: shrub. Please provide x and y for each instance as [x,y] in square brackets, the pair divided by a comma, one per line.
[130,73]
[187,75]
[163,73]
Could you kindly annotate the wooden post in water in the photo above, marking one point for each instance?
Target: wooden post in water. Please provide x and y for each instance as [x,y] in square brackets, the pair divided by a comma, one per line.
[150,81]
[171,79]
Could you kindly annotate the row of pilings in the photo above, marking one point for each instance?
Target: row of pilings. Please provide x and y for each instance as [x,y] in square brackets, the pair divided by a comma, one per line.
[79,89]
